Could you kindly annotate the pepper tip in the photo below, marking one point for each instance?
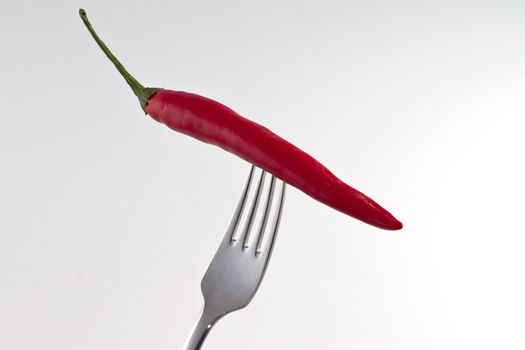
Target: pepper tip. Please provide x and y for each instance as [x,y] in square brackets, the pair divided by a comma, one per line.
[395,225]
[398,226]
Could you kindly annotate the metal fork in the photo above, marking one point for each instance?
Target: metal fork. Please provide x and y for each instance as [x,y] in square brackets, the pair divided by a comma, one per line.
[238,267]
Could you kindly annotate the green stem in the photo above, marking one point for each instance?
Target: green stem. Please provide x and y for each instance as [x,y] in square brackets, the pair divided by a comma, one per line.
[143,93]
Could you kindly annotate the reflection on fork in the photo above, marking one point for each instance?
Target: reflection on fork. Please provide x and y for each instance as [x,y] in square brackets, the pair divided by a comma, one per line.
[238,267]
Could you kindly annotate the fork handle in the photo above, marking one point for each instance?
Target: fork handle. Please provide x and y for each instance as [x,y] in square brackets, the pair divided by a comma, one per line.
[200,331]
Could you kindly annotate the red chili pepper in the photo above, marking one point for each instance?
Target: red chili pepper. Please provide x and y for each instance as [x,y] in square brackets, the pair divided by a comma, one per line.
[214,123]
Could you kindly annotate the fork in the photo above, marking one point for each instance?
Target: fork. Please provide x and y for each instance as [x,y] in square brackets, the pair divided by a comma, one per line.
[238,267]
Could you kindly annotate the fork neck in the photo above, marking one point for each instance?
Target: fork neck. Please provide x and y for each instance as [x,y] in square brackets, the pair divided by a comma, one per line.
[200,331]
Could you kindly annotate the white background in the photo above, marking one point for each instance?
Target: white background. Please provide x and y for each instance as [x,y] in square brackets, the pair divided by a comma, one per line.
[108,219]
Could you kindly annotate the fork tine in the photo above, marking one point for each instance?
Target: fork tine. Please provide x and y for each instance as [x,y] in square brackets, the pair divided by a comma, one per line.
[245,234]
[267,251]
[267,209]
[234,223]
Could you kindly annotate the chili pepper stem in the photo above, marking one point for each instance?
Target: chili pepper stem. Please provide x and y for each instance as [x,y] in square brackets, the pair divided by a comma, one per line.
[143,93]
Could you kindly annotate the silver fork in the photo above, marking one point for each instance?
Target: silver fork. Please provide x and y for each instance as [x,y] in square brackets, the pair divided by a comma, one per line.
[238,267]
